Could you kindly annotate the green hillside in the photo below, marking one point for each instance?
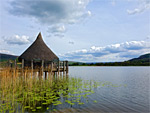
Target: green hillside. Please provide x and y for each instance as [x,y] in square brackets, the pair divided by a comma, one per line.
[142,59]
[4,57]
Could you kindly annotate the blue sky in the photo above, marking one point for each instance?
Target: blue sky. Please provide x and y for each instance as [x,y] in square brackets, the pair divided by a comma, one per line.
[78,30]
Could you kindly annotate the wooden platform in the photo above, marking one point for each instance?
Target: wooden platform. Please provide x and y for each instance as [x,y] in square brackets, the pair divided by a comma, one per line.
[62,66]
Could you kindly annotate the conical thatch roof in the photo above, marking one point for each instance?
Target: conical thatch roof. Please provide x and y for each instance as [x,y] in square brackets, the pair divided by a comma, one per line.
[38,51]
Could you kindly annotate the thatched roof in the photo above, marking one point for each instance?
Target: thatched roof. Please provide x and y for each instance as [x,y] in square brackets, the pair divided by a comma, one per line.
[38,51]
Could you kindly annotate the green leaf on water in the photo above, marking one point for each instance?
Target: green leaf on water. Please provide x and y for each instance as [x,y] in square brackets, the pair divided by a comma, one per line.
[34,110]
[54,109]
[95,101]
[38,107]
[80,103]
[27,107]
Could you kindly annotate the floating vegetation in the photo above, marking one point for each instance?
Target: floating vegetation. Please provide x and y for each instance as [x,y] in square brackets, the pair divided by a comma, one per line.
[30,94]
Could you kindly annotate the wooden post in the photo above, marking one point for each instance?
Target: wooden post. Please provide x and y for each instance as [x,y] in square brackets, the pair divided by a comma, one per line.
[31,67]
[22,63]
[42,67]
[58,67]
[22,67]
[63,66]
[66,67]
[51,68]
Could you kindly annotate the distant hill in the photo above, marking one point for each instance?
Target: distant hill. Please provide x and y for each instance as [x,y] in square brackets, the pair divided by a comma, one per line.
[4,57]
[143,58]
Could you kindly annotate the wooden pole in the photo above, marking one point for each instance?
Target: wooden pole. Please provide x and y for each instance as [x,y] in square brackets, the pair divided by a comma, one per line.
[66,67]
[22,63]
[31,67]
[42,67]
[51,68]
[58,67]
[63,66]
[22,67]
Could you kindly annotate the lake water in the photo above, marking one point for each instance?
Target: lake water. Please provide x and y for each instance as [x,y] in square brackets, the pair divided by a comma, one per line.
[132,97]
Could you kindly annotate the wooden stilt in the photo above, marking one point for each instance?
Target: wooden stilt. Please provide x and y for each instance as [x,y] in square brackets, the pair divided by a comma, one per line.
[58,67]
[66,67]
[31,67]
[22,67]
[22,63]
[42,67]
[51,68]
[63,66]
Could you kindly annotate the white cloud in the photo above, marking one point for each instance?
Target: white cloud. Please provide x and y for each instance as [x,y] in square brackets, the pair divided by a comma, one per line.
[16,39]
[143,6]
[57,29]
[6,51]
[119,52]
[51,11]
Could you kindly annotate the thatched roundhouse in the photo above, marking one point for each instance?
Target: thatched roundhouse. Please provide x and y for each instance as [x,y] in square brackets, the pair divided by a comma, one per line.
[37,53]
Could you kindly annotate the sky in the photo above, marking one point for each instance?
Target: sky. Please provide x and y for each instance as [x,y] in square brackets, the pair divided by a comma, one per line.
[77,30]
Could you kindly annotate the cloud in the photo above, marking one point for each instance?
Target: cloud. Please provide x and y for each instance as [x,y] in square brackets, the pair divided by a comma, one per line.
[120,51]
[57,29]
[51,11]
[6,51]
[71,42]
[59,35]
[16,39]
[143,6]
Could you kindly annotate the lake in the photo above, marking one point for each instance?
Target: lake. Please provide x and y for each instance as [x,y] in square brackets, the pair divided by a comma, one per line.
[133,98]
[84,90]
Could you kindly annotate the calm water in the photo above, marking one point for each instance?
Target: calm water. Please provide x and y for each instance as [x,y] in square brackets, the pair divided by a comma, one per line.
[134,97]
